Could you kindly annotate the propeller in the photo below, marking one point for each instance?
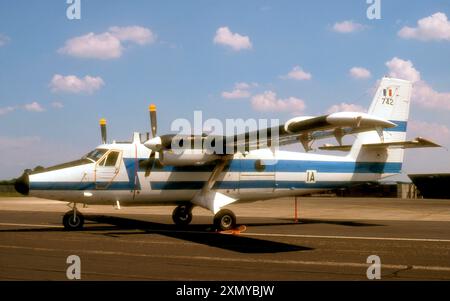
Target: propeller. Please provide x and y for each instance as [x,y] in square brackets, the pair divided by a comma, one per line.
[103,129]
[155,143]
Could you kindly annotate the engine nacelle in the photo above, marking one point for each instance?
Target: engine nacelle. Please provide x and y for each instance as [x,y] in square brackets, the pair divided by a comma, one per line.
[187,157]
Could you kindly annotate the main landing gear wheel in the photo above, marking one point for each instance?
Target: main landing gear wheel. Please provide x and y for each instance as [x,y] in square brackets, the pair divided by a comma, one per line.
[73,220]
[224,220]
[182,215]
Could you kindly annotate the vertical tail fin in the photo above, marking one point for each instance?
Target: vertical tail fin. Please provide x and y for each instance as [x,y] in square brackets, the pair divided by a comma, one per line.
[391,102]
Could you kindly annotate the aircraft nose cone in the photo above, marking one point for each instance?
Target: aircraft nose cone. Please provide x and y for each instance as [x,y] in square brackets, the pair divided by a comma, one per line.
[22,184]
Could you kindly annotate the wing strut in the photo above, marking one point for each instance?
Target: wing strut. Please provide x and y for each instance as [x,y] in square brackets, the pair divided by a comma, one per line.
[210,199]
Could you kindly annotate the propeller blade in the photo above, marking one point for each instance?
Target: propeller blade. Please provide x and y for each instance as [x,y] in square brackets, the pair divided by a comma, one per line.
[153,123]
[103,129]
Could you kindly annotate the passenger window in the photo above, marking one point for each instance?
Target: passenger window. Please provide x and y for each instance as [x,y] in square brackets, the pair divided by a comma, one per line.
[112,159]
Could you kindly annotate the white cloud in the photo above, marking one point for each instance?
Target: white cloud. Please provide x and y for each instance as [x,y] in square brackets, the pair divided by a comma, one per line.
[99,46]
[244,86]
[241,90]
[348,26]
[73,84]
[345,107]
[435,27]
[359,73]
[434,131]
[268,102]
[427,97]
[137,34]
[298,74]
[403,69]
[33,107]
[236,94]
[422,93]
[6,110]
[57,105]
[107,45]
[234,40]
[4,40]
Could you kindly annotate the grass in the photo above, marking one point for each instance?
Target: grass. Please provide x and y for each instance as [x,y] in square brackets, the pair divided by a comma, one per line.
[7,189]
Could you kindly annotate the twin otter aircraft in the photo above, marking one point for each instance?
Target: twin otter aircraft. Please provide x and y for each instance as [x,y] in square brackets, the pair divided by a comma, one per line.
[148,173]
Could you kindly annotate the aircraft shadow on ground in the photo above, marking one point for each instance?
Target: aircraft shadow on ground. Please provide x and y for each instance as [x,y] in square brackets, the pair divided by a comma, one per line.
[197,233]
[200,233]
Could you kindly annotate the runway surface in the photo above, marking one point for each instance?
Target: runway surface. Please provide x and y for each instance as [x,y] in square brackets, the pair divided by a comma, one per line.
[332,241]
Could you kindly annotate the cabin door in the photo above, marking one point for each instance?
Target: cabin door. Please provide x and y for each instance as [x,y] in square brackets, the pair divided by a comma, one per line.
[107,169]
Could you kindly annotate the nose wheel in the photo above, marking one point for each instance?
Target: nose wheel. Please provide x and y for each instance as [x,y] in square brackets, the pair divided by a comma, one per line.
[182,215]
[73,220]
[224,220]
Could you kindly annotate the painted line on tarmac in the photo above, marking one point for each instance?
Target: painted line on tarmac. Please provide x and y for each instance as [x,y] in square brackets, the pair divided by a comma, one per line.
[31,225]
[234,260]
[346,237]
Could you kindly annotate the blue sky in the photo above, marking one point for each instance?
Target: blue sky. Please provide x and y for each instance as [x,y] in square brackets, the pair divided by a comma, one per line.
[176,64]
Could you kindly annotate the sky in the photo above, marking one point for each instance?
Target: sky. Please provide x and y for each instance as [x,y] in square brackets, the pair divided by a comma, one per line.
[229,59]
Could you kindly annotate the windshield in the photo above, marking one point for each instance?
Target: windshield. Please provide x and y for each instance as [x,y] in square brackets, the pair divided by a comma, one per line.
[96,154]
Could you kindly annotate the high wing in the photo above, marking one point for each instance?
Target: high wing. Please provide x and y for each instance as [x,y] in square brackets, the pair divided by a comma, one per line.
[299,129]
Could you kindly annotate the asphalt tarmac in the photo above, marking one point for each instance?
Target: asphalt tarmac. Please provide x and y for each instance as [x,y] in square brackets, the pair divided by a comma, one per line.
[331,241]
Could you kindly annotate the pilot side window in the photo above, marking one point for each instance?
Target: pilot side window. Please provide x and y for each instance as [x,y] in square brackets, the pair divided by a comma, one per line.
[112,159]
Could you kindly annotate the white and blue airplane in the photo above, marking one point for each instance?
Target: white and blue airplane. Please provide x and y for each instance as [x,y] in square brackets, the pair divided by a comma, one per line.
[149,173]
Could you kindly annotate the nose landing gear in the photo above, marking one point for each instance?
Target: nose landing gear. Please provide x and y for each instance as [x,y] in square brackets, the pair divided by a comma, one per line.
[73,220]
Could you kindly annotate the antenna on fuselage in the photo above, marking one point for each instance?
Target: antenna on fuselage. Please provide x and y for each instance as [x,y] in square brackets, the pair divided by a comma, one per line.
[103,129]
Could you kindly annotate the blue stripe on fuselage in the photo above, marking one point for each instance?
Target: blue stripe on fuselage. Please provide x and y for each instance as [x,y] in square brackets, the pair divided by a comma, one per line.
[254,184]
[249,165]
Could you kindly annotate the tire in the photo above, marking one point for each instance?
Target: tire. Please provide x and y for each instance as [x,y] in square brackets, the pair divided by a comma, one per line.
[182,215]
[73,225]
[224,220]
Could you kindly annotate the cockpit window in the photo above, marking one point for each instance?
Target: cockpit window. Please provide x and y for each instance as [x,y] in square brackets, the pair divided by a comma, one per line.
[96,154]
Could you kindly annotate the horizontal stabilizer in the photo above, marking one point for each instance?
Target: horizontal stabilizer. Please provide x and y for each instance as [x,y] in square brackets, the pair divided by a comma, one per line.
[418,142]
